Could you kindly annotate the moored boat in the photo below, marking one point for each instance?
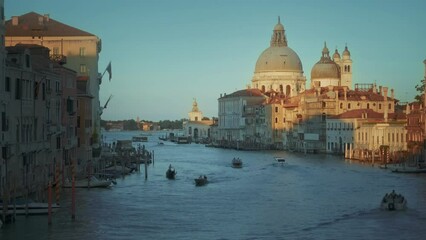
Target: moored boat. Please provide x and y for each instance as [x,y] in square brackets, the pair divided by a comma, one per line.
[201,181]
[280,159]
[406,169]
[392,201]
[171,172]
[22,207]
[237,163]
[91,182]
[140,139]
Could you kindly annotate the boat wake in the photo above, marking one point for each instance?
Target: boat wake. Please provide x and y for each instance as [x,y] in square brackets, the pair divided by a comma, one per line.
[343,217]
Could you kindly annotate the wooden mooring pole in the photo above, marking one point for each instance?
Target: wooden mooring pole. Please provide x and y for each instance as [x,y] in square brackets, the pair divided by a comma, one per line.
[49,213]
[146,169]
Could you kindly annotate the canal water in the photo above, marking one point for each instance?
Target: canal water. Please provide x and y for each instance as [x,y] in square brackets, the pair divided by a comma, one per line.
[308,197]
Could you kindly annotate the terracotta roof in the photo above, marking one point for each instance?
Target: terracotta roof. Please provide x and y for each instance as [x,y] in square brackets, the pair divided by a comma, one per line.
[252,92]
[357,113]
[371,114]
[34,24]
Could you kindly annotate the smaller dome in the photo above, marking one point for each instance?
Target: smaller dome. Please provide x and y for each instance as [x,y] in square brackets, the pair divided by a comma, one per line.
[346,52]
[279,27]
[336,54]
[325,67]
[325,70]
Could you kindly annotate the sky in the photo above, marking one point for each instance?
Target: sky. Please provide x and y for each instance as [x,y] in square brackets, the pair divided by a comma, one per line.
[166,53]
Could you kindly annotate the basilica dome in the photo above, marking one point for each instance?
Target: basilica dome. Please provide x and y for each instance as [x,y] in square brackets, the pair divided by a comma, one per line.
[278,59]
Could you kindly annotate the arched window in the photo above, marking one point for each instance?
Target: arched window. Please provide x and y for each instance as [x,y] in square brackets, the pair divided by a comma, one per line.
[263,88]
[368,106]
[281,89]
[288,91]
[349,68]
[346,68]
[276,120]
[341,105]
[349,106]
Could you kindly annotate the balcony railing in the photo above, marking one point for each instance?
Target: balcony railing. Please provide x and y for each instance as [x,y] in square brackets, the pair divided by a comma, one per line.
[59,58]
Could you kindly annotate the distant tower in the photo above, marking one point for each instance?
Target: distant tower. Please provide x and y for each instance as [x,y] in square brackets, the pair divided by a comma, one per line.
[346,68]
[195,114]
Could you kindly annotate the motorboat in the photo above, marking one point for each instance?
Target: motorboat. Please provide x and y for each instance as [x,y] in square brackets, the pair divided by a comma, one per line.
[392,201]
[201,181]
[407,169]
[91,182]
[140,139]
[237,163]
[171,172]
[280,159]
[24,207]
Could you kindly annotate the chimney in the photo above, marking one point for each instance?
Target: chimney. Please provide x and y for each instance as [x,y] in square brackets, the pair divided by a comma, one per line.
[380,90]
[15,21]
[385,96]
[407,109]
[344,92]
[46,17]
[336,92]
[392,95]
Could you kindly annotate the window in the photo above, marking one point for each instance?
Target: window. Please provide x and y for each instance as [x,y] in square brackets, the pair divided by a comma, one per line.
[7,84]
[390,106]
[276,120]
[380,106]
[368,106]
[349,106]
[3,122]
[82,51]
[83,68]
[18,89]
[27,60]
[276,109]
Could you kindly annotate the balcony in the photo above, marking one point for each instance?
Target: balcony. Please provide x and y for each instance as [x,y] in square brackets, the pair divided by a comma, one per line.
[59,58]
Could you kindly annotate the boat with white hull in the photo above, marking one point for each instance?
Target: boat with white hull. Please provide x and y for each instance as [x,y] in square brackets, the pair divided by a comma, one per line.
[91,182]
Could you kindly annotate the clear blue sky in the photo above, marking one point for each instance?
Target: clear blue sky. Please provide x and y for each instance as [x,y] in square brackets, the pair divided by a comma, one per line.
[164,53]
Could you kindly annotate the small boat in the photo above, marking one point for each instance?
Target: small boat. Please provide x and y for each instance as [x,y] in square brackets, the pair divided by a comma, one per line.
[237,163]
[280,159]
[392,201]
[406,169]
[23,207]
[140,139]
[171,172]
[201,181]
[91,182]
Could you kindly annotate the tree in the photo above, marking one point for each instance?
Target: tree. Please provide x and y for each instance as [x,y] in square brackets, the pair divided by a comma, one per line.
[421,89]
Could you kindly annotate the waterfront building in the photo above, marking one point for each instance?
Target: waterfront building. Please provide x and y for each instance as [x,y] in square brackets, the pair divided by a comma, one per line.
[3,101]
[241,119]
[380,130]
[415,127]
[76,49]
[315,105]
[33,132]
[197,127]
[340,131]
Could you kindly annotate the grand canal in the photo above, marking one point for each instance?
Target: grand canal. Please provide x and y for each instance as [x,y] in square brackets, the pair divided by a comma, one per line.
[310,197]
